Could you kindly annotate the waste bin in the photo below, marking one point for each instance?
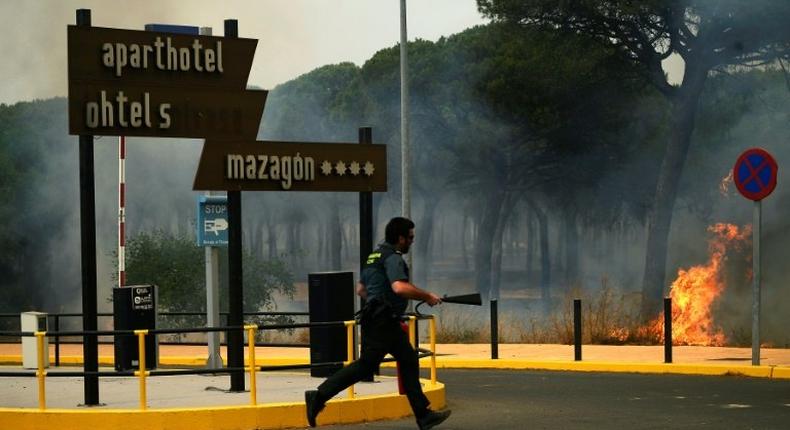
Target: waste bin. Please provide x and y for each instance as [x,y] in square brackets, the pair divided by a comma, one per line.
[331,298]
[33,321]
[134,308]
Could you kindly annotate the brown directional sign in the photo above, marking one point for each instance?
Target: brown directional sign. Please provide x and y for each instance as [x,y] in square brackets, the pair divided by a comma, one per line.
[291,166]
[143,57]
[140,83]
[131,110]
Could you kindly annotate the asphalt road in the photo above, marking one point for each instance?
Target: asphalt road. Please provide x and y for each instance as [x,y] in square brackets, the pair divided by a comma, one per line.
[500,399]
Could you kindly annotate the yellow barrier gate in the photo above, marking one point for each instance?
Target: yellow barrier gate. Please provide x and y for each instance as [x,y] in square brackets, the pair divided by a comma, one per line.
[141,373]
[40,373]
[251,329]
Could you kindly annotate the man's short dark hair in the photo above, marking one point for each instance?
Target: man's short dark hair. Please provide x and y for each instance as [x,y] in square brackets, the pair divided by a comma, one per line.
[397,226]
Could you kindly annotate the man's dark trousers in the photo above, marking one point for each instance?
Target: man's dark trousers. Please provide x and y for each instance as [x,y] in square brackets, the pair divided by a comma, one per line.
[383,335]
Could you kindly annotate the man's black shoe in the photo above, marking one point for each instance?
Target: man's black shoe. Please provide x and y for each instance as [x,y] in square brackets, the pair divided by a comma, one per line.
[432,419]
[313,406]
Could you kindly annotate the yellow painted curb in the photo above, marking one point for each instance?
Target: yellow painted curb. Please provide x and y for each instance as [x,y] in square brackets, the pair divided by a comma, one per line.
[583,366]
[10,359]
[265,416]
[781,373]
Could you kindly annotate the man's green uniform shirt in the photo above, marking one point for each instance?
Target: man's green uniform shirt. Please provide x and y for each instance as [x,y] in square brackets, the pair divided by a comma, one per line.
[383,267]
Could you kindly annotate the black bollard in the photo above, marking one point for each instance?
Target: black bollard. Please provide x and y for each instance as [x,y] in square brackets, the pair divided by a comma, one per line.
[494,330]
[577,329]
[57,341]
[667,330]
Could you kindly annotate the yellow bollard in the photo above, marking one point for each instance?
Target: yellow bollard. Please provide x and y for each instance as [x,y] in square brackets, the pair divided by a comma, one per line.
[141,372]
[350,350]
[40,373]
[251,358]
[432,331]
[412,331]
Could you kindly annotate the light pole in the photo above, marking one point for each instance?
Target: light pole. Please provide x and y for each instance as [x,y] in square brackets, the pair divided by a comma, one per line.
[404,125]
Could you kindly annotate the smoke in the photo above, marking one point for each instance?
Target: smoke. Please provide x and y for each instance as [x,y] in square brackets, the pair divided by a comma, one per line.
[319,231]
[318,31]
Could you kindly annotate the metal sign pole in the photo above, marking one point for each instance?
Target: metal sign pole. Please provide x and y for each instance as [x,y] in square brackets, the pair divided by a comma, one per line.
[90,345]
[756,282]
[235,282]
[214,360]
[365,228]
[404,129]
[212,232]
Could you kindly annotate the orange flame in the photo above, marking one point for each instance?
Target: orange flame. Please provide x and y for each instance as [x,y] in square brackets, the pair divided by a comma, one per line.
[695,290]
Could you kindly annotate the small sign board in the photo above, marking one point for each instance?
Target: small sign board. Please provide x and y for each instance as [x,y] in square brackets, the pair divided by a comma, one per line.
[291,166]
[112,109]
[755,174]
[212,221]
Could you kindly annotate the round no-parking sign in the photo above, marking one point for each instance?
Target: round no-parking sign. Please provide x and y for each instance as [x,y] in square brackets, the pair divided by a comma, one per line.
[755,174]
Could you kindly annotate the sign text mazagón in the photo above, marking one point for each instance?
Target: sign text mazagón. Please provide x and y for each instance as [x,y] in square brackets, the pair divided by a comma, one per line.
[291,166]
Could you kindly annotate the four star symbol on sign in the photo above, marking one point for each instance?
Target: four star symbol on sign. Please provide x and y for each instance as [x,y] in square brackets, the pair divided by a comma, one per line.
[369,168]
[354,168]
[326,168]
[340,168]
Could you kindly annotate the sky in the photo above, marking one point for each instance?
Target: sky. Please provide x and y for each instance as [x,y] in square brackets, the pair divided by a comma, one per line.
[294,36]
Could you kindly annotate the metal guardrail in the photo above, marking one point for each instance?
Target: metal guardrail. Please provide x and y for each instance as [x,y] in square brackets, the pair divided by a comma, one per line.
[57,334]
[141,373]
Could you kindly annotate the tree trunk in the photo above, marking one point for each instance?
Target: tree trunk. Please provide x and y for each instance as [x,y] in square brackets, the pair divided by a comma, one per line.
[559,251]
[334,234]
[442,248]
[659,221]
[378,202]
[513,233]
[319,244]
[259,247]
[571,250]
[530,244]
[300,245]
[345,244]
[272,233]
[484,240]
[464,254]
[545,258]
[291,245]
[497,245]
[425,235]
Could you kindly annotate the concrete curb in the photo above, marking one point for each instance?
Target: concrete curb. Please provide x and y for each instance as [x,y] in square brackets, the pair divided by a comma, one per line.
[264,416]
[771,372]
